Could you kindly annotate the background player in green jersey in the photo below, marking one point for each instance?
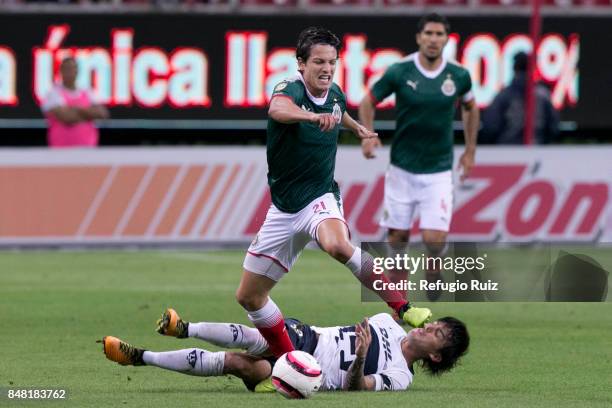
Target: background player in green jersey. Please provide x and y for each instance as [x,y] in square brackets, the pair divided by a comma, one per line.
[426,87]
[305,114]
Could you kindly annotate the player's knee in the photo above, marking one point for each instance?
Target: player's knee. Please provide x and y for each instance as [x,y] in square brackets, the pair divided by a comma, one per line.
[339,249]
[249,301]
[398,236]
[435,241]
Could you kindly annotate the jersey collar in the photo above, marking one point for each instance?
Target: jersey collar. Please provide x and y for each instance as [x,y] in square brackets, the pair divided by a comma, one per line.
[317,101]
[426,73]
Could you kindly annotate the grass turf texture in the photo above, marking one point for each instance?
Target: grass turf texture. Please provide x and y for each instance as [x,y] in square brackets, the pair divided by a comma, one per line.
[55,305]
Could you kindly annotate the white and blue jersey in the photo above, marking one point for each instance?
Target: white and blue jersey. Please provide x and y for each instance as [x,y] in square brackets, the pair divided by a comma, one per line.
[385,361]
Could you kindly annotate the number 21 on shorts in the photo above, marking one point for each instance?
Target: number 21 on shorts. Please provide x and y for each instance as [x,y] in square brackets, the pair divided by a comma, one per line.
[318,207]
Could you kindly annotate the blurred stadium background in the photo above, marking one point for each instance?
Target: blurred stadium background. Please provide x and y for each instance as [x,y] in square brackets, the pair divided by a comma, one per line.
[196,76]
[182,163]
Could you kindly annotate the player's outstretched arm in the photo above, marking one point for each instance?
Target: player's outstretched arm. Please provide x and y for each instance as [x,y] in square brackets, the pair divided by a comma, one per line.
[470,116]
[369,139]
[355,380]
[359,130]
[367,110]
[284,110]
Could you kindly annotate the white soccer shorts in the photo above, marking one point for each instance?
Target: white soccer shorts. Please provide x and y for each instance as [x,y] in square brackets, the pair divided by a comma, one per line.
[283,236]
[431,193]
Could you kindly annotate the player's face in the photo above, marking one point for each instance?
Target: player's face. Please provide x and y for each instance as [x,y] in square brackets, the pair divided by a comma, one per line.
[68,69]
[430,338]
[318,70]
[432,40]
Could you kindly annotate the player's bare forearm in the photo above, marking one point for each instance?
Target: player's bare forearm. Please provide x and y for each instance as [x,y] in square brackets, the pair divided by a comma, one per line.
[366,116]
[283,110]
[355,380]
[367,110]
[359,130]
[349,123]
[470,116]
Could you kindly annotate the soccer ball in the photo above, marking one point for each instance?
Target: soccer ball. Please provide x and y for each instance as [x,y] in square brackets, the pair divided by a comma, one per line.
[296,375]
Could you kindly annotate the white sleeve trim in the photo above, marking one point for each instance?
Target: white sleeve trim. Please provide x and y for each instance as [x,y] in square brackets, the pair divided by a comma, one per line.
[381,385]
[392,380]
[377,382]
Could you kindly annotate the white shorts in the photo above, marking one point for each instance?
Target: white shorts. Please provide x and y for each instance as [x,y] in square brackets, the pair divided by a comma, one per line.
[405,191]
[283,236]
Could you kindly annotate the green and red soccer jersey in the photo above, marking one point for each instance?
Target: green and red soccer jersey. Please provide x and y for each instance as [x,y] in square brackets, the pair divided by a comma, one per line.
[301,157]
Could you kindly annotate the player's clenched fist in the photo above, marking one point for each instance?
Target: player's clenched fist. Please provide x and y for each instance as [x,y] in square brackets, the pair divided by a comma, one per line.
[325,121]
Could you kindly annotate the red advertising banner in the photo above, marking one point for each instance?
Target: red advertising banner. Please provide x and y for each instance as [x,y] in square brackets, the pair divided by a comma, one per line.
[220,195]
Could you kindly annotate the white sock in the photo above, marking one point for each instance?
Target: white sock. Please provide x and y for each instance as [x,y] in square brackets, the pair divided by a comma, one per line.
[268,316]
[229,335]
[354,263]
[361,264]
[191,361]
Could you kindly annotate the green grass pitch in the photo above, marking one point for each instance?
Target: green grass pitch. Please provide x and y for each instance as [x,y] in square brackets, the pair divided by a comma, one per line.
[55,305]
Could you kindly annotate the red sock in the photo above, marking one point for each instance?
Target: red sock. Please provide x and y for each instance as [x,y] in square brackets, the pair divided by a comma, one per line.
[394,298]
[270,323]
[277,338]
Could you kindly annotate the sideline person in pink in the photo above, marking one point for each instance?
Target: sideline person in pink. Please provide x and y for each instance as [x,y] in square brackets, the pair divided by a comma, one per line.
[70,112]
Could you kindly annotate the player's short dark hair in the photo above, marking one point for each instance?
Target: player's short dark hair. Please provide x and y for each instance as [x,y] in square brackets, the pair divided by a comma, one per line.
[456,346]
[433,18]
[312,36]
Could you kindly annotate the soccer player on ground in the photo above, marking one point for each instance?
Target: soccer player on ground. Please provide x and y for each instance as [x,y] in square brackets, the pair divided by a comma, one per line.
[374,355]
[426,87]
[305,114]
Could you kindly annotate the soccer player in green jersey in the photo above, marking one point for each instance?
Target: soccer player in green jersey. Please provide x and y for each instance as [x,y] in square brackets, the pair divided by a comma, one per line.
[427,87]
[305,114]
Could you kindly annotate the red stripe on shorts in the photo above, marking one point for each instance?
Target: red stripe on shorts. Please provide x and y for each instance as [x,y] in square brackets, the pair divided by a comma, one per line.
[269,257]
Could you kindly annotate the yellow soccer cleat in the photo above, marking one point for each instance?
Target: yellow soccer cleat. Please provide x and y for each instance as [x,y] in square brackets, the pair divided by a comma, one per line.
[417,316]
[265,386]
[122,352]
[171,324]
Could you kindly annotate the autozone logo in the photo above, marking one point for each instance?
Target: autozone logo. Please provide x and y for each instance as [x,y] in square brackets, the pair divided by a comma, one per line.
[528,207]
[509,203]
